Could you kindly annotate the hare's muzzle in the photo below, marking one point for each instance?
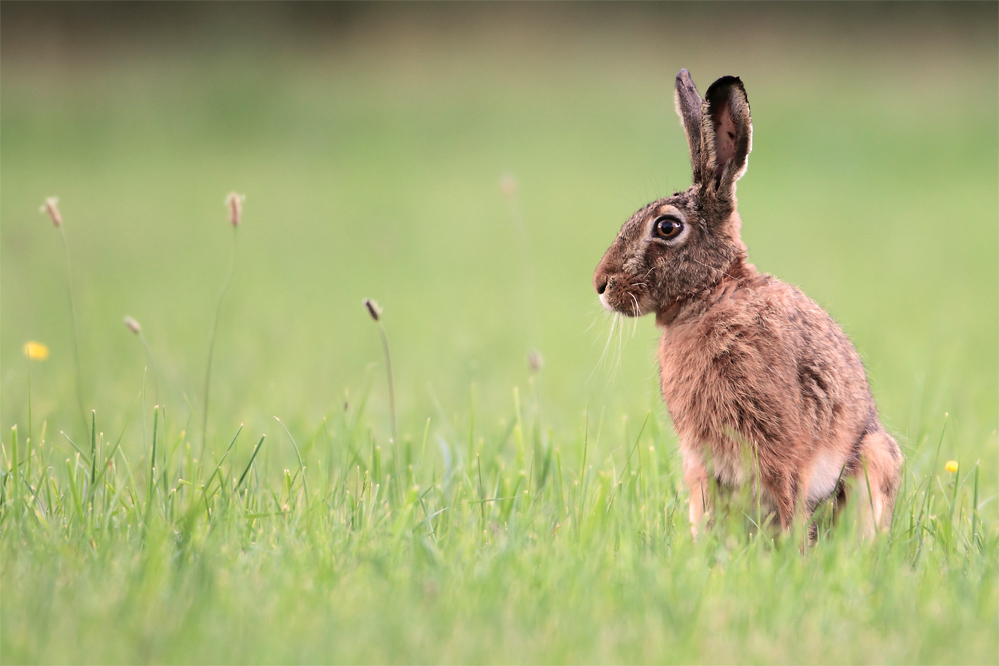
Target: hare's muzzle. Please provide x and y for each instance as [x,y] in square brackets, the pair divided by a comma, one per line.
[603,278]
[603,285]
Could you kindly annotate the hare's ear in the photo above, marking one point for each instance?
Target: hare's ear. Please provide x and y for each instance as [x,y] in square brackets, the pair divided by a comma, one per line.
[726,136]
[688,106]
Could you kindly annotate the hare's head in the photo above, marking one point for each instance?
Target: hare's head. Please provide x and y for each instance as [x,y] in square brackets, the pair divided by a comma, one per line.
[676,247]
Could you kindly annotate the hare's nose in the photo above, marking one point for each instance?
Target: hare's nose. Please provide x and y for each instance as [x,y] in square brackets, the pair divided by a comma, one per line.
[601,286]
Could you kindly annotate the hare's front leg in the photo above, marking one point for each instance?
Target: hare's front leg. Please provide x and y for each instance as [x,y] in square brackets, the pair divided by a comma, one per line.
[696,479]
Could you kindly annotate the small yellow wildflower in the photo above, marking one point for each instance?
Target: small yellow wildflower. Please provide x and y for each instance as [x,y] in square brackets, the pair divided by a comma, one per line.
[951,466]
[36,351]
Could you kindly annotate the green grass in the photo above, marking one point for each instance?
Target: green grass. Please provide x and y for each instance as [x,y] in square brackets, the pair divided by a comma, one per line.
[523,516]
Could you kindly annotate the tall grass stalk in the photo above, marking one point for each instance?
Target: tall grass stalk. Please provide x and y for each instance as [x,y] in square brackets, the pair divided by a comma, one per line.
[298,455]
[29,402]
[51,207]
[376,314]
[75,323]
[134,326]
[246,470]
[15,470]
[151,482]
[234,205]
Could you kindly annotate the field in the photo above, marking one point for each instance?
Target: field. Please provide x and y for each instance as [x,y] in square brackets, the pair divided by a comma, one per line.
[466,167]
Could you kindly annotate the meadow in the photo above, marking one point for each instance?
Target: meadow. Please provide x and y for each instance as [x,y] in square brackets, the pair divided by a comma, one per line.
[516,496]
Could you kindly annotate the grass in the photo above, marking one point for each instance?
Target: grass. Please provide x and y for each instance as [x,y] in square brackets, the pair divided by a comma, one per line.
[469,562]
[520,514]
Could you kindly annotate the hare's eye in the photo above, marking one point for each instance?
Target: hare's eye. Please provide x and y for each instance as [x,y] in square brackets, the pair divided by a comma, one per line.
[668,227]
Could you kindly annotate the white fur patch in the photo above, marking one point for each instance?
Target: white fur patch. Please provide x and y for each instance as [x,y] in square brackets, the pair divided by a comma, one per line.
[826,470]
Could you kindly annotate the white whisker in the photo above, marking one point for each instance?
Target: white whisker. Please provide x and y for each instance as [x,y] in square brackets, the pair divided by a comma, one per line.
[620,348]
[634,326]
[596,317]
[607,346]
[610,336]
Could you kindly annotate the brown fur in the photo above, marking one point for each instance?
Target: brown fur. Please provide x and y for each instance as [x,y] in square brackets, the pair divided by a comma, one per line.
[751,368]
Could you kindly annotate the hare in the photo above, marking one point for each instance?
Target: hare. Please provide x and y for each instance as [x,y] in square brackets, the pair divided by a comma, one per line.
[763,387]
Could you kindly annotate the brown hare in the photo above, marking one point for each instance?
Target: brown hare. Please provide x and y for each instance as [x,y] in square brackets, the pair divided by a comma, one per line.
[762,385]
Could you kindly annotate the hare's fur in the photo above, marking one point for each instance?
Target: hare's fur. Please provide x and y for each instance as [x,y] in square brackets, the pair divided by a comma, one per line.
[762,385]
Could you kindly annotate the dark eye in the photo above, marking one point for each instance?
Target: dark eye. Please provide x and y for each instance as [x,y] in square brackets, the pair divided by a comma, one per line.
[668,227]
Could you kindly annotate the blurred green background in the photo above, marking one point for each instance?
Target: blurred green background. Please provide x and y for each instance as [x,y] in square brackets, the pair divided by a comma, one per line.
[370,142]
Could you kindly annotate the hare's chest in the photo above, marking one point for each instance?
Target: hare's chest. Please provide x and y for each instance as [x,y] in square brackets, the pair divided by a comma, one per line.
[685,378]
[705,384]
[704,410]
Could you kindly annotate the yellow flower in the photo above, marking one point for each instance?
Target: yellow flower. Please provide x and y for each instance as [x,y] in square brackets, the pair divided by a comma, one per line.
[36,351]
[951,466]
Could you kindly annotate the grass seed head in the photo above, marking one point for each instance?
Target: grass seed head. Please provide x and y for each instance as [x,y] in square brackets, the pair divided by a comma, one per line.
[234,202]
[133,325]
[373,309]
[51,206]
[508,185]
[535,360]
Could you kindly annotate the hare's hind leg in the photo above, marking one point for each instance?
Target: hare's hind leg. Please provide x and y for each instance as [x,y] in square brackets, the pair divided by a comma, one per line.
[782,485]
[878,477]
